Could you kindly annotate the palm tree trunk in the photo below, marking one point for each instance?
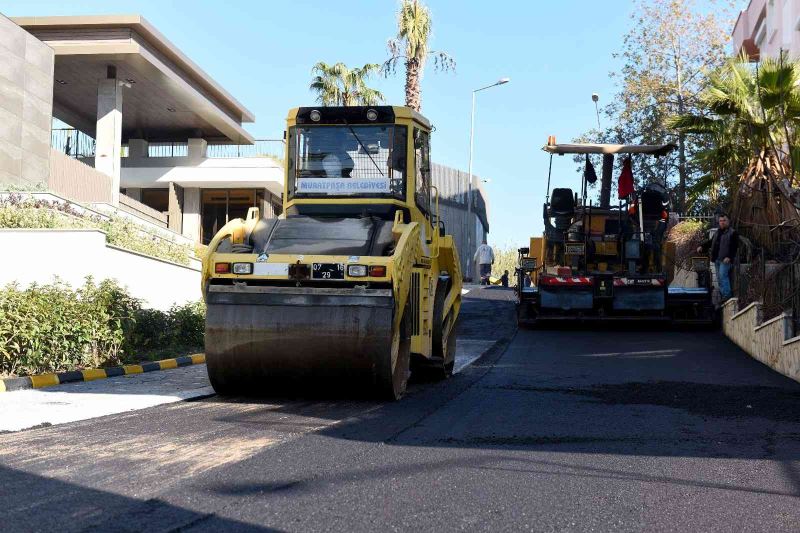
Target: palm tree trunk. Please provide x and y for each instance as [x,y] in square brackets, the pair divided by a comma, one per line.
[413,95]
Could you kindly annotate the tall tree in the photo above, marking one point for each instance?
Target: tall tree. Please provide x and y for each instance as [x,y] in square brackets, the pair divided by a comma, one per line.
[748,112]
[411,47]
[339,85]
[665,57]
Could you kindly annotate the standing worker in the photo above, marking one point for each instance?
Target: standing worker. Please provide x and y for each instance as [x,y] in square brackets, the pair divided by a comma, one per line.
[484,256]
[724,245]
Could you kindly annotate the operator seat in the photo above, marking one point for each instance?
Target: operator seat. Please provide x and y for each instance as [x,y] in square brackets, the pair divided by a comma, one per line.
[654,203]
[561,209]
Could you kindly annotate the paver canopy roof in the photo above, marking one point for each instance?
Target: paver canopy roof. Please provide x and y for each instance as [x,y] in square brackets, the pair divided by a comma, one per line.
[653,149]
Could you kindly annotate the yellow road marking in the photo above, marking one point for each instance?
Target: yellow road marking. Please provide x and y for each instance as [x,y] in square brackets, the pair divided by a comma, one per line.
[168,363]
[45,380]
[93,373]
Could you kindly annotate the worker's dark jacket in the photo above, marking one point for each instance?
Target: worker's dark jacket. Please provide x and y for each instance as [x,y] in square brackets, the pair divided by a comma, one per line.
[724,243]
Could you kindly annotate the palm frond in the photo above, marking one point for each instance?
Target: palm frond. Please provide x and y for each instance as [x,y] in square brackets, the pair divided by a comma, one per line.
[690,123]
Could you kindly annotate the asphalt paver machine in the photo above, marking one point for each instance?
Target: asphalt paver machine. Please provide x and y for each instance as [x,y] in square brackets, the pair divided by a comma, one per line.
[604,262]
[356,283]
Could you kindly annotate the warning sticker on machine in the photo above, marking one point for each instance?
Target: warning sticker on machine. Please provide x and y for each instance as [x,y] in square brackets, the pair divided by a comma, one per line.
[271,269]
[343,185]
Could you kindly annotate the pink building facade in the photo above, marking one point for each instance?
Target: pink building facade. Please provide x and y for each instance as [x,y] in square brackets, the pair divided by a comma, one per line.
[766,27]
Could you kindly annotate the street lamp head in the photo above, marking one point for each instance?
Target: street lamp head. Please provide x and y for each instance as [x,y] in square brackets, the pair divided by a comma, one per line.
[595,97]
[501,81]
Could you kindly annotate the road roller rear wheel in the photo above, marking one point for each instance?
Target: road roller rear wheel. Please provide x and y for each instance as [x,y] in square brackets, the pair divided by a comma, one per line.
[444,341]
[393,370]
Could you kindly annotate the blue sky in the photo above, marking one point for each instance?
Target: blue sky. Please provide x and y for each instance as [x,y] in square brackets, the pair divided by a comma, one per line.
[556,54]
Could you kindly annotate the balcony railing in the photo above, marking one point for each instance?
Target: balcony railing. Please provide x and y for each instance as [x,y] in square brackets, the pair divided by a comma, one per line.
[72,142]
[260,148]
[167,149]
[75,143]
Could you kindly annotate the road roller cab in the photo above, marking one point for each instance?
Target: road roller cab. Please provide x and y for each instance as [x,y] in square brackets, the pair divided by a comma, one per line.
[356,281]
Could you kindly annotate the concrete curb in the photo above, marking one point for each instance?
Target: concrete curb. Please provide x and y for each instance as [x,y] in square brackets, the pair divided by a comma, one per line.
[91,374]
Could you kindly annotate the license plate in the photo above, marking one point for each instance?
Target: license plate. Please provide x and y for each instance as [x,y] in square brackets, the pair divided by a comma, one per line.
[573,249]
[271,269]
[327,271]
[645,282]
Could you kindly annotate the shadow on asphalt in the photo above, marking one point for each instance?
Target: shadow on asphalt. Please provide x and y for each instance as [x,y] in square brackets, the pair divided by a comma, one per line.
[80,508]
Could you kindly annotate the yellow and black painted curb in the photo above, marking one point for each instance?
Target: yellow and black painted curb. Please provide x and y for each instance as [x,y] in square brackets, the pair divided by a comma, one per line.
[91,374]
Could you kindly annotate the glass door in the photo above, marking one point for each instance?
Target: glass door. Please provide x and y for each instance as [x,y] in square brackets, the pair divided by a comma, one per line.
[219,206]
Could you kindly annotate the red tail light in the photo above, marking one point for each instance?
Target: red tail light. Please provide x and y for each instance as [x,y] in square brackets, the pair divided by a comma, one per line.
[377,271]
[222,268]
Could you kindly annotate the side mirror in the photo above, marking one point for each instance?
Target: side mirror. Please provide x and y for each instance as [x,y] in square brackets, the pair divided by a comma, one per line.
[524,251]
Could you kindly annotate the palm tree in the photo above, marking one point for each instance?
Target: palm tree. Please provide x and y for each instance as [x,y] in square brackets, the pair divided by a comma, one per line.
[411,46]
[339,85]
[750,113]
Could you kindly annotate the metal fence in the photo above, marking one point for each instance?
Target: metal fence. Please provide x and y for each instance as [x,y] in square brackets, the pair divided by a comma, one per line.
[78,144]
[274,148]
[776,285]
[72,142]
[167,149]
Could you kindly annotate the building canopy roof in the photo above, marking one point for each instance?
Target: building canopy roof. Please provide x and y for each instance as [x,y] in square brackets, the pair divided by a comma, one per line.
[170,97]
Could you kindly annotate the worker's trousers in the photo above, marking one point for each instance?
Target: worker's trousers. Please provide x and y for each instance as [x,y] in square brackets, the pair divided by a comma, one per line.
[724,279]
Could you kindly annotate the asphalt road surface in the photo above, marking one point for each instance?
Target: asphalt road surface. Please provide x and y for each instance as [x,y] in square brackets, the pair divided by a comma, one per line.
[551,430]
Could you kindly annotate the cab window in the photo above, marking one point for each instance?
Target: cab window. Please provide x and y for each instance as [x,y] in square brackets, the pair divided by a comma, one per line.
[422,161]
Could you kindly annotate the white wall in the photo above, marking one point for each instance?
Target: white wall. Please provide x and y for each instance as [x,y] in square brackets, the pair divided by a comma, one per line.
[41,255]
[253,172]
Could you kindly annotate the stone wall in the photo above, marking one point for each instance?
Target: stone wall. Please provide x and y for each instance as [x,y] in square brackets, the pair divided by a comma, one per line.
[770,342]
[26,105]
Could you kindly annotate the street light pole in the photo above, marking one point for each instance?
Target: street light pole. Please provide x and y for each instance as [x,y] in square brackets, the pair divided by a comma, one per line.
[595,98]
[471,226]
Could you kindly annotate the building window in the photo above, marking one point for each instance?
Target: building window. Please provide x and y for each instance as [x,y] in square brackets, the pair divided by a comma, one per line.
[219,206]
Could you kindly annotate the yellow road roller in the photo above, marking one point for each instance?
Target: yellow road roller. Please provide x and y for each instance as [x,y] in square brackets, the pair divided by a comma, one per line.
[357,283]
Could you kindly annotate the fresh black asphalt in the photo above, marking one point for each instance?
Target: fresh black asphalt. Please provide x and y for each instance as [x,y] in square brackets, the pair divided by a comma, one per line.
[568,429]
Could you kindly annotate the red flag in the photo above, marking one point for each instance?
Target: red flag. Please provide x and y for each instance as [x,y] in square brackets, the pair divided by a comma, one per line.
[625,180]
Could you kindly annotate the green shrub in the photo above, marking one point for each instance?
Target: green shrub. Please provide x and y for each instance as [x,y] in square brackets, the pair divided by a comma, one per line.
[54,328]
[126,234]
[19,212]
[182,328]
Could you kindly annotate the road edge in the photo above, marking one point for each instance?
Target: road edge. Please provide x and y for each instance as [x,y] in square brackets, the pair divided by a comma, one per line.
[40,381]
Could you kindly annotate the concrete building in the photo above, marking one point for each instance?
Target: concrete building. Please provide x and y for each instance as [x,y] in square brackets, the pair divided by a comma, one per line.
[766,27]
[169,139]
[452,186]
[26,101]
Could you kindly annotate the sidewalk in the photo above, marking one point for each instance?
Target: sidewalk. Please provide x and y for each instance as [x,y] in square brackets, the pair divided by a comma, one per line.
[80,401]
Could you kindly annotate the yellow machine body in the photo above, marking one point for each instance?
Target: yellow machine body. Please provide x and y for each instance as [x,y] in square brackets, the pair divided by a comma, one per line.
[308,297]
